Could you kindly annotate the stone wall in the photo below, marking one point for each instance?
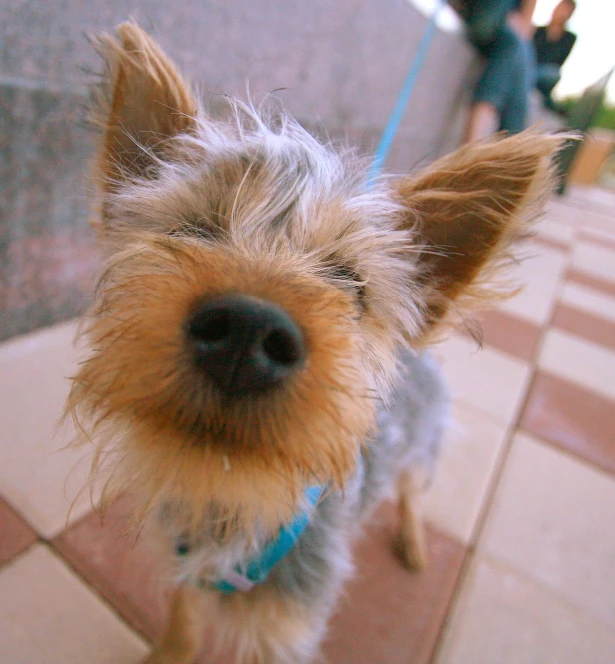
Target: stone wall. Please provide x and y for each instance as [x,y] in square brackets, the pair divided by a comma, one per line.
[341,64]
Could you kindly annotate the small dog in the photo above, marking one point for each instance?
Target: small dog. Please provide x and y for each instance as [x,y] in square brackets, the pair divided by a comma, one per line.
[256,376]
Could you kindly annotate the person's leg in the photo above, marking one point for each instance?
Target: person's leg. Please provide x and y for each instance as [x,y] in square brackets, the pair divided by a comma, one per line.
[484,19]
[483,121]
[522,80]
[513,117]
[547,77]
[493,91]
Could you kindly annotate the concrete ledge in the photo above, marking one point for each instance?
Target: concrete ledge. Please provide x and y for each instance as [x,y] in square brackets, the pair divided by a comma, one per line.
[341,62]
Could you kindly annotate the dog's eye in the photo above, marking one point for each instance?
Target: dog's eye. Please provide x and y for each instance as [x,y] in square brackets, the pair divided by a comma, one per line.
[349,278]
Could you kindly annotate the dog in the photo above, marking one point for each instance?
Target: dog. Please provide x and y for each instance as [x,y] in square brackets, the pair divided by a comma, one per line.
[258,376]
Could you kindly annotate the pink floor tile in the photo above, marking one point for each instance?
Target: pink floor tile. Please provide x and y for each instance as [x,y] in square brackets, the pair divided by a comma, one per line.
[586,325]
[15,534]
[601,285]
[389,614]
[577,420]
[124,568]
[509,333]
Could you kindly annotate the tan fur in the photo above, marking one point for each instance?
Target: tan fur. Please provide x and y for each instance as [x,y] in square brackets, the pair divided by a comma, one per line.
[181,641]
[191,209]
[261,628]
[145,102]
[255,628]
[141,371]
[473,206]
[412,531]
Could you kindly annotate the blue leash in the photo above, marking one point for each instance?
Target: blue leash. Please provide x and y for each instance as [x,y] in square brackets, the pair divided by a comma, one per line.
[392,127]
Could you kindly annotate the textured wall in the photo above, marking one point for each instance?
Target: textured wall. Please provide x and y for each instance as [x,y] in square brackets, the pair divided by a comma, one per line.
[342,63]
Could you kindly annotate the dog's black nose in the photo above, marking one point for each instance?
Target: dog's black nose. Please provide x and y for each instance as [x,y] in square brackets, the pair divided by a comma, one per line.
[245,344]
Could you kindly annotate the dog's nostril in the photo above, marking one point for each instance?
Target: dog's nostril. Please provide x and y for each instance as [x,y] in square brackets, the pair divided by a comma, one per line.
[282,347]
[214,327]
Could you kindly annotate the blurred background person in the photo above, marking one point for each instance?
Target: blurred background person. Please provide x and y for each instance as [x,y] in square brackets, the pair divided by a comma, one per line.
[553,44]
[501,30]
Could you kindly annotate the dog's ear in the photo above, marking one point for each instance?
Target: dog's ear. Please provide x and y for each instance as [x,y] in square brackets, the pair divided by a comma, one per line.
[465,211]
[144,101]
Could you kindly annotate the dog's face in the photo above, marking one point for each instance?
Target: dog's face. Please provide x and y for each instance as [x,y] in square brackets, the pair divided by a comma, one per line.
[257,289]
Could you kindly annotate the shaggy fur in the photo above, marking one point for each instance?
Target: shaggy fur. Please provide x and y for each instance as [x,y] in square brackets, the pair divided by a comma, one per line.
[191,209]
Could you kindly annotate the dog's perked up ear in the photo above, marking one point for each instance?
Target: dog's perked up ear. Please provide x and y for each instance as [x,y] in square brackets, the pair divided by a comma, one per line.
[144,102]
[465,211]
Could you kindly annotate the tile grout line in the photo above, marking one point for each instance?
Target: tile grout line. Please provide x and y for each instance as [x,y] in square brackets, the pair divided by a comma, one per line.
[95,591]
[512,429]
[534,365]
[471,546]
[445,624]
[90,584]
[514,425]
[552,325]
[49,544]
[478,526]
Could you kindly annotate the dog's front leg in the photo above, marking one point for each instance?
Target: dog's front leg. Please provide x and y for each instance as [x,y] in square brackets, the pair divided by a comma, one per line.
[413,541]
[183,635]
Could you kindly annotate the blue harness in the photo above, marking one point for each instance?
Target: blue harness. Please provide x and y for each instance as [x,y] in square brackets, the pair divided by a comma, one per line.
[258,569]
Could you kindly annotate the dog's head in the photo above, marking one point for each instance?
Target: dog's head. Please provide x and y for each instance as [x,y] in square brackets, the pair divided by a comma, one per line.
[256,288]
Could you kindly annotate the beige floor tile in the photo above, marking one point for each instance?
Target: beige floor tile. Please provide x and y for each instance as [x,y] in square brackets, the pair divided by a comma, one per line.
[454,500]
[595,260]
[589,300]
[552,229]
[552,518]
[540,273]
[578,360]
[487,379]
[562,213]
[503,617]
[49,616]
[36,475]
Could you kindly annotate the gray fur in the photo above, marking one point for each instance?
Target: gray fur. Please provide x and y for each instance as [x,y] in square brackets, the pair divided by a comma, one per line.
[409,435]
[409,430]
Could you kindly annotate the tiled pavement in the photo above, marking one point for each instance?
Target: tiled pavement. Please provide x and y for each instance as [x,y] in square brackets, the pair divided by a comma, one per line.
[521,510]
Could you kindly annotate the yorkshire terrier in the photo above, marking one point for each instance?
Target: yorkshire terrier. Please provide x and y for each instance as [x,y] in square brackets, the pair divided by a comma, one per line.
[256,376]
